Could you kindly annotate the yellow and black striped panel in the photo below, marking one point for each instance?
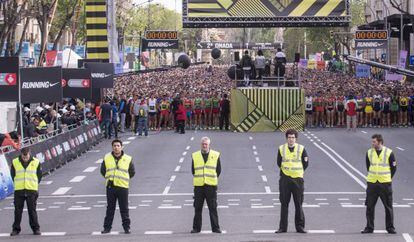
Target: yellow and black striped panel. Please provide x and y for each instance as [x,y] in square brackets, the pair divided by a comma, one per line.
[96,30]
[276,104]
[250,121]
[266,8]
[295,121]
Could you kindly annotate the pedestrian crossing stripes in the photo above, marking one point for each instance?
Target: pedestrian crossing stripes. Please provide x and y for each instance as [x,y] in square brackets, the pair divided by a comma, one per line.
[96,30]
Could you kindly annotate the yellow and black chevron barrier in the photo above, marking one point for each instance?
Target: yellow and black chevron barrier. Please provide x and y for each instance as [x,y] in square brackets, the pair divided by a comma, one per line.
[267,109]
[266,8]
[96,30]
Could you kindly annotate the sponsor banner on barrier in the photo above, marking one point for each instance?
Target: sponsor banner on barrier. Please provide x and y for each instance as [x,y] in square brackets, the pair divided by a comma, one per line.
[9,79]
[42,84]
[363,70]
[6,182]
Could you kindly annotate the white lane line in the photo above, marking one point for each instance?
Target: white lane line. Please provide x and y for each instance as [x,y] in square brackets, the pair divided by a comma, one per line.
[189,200]
[101,202]
[343,199]
[408,199]
[260,168]
[363,132]
[346,203]
[259,207]
[254,152]
[46,182]
[222,206]
[323,203]
[167,201]
[210,232]
[346,162]
[111,233]
[79,209]
[4,235]
[144,205]
[126,142]
[53,207]
[59,203]
[250,138]
[172,178]
[61,190]
[177,168]
[267,188]
[311,206]
[132,138]
[169,207]
[181,160]
[157,232]
[192,138]
[146,201]
[99,161]
[402,206]
[407,237]
[400,148]
[98,206]
[184,153]
[90,169]
[233,200]
[321,231]
[187,148]
[264,178]
[353,206]
[81,202]
[256,204]
[380,232]
[166,190]
[257,159]
[8,208]
[362,184]
[255,200]
[321,199]
[53,233]
[77,179]
[233,204]
[261,231]
[254,147]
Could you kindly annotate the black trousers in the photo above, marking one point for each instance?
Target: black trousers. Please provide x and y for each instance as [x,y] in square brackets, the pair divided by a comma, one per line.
[288,187]
[208,193]
[120,194]
[224,121]
[384,192]
[180,126]
[31,202]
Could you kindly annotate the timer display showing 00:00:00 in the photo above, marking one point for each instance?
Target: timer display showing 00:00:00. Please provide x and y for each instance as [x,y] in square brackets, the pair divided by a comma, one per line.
[371,35]
[161,35]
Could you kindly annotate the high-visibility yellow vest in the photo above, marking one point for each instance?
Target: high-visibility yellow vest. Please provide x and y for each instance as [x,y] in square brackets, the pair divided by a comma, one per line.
[26,179]
[42,125]
[117,173]
[379,169]
[205,173]
[292,161]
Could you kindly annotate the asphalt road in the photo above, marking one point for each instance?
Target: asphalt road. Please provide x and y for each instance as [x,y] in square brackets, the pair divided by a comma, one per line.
[72,202]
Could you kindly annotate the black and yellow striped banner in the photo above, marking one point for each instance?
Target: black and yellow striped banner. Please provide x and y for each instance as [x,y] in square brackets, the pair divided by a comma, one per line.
[266,8]
[96,31]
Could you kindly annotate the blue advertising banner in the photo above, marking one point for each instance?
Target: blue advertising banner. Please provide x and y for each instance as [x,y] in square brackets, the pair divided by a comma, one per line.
[6,182]
[25,53]
[363,71]
[80,50]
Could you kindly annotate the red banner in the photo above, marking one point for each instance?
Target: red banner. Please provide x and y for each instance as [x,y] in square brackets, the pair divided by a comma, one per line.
[50,57]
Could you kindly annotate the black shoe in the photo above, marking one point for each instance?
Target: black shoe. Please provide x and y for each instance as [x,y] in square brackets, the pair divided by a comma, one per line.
[391,231]
[367,231]
[14,233]
[105,231]
[301,231]
[280,231]
[127,231]
[37,232]
[218,231]
[195,231]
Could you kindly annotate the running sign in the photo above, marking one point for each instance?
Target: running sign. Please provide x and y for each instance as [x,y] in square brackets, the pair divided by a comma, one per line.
[371,39]
[42,84]
[160,39]
[9,79]
[76,83]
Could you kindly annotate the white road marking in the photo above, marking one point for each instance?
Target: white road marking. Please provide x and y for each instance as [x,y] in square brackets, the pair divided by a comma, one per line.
[99,161]
[144,205]
[126,142]
[254,152]
[81,202]
[189,200]
[343,199]
[222,206]
[321,231]
[59,203]
[210,232]
[362,184]
[233,200]
[94,151]
[402,206]
[263,231]
[311,140]
[132,207]
[353,206]
[187,148]
[90,169]
[101,202]
[181,160]
[188,204]
[407,237]
[318,140]
[257,159]
[400,148]
[346,203]
[61,190]
[4,235]
[98,206]
[169,207]
[53,207]
[132,138]
[267,206]
[255,200]
[46,182]
[408,199]
[8,208]
[250,138]
[311,206]
[323,204]
[78,209]
[77,179]
[177,168]
[167,201]
[111,233]
[380,232]
[260,168]
[157,232]
[184,153]
[146,201]
[53,233]
[233,204]
[264,178]
[363,132]
[256,204]
[172,178]
[192,138]
[166,190]
[254,147]
[321,199]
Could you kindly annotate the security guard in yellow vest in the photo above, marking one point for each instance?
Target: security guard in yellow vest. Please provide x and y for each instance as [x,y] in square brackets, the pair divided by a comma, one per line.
[26,173]
[292,160]
[117,168]
[206,169]
[381,166]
